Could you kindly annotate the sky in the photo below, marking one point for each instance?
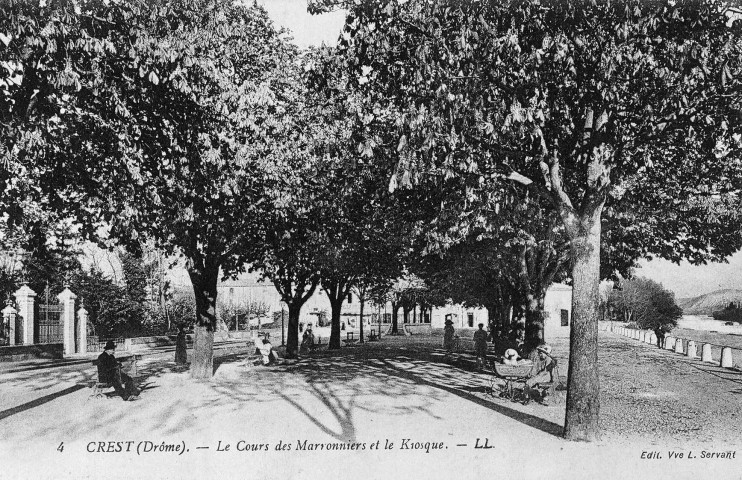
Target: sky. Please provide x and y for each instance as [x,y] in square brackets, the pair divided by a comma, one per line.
[684,279]
[689,281]
[305,28]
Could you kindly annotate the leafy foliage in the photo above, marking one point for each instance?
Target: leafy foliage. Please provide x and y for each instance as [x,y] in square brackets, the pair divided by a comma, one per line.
[645,303]
[610,110]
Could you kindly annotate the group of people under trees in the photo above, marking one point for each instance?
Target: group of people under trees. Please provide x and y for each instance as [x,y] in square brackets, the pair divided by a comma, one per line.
[511,350]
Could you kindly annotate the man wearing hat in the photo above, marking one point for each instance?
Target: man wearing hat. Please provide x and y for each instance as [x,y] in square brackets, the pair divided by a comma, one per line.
[544,369]
[109,371]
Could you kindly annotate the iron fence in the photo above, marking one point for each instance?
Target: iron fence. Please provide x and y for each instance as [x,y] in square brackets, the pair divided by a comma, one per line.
[49,324]
[96,344]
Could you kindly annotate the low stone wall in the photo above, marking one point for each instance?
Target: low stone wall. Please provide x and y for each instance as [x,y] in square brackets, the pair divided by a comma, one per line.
[27,352]
[705,352]
[418,328]
[163,340]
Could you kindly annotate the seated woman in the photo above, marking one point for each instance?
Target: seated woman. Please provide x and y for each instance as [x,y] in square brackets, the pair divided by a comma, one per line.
[266,350]
[544,370]
[307,342]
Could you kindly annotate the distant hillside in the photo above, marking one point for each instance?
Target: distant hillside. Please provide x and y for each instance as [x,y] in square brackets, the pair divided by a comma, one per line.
[708,303]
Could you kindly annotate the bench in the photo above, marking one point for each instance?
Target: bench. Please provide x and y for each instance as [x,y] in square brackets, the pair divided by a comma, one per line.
[372,337]
[98,387]
[350,338]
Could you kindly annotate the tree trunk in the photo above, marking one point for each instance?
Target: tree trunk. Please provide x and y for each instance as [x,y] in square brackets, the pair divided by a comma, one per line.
[504,319]
[535,317]
[336,306]
[362,299]
[292,331]
[395,323]
[492,314]
[583,404]
[204,282]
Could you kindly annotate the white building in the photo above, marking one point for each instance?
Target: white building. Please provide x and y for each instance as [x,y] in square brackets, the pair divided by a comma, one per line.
[557,306]
[249,288]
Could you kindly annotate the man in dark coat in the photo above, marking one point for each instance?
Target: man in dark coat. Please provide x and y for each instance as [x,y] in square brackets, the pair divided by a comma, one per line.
[109,371]
[480,347]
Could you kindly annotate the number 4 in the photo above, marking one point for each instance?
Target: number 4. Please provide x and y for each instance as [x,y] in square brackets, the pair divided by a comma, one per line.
[60,448]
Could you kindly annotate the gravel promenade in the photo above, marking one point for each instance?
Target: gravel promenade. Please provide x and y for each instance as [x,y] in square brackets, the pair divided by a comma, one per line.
[441,417]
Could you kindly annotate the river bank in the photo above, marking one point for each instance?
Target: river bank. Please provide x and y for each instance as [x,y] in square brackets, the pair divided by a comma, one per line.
[702,328]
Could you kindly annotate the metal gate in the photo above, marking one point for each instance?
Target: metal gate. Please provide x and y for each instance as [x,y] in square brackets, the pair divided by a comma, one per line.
[49,320]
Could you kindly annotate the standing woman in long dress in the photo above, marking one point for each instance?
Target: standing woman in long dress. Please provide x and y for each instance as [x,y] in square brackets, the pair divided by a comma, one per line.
[181,357]
[448,332]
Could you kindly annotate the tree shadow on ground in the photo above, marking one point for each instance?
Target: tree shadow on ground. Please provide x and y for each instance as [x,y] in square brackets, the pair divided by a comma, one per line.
[454,384]
[39,401]
[340,386]
[331,389]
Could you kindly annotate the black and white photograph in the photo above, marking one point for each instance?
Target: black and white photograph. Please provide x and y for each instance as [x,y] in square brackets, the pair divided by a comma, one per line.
[371,239]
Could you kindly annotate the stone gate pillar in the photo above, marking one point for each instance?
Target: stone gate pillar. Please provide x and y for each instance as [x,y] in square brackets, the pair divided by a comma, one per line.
[25,298]
[82,329]
[67,300]
[9,314]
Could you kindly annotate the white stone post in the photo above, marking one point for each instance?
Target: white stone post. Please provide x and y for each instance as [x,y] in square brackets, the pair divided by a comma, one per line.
[652,339]
[82,328]
[9,318]
[24,300]
[706,353]
[726,358]
[691,349]
[669,343]
[67,299]
[679,345]
[648,337]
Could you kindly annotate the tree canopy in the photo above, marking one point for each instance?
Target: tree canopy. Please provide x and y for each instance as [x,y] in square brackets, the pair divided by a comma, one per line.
[590,105]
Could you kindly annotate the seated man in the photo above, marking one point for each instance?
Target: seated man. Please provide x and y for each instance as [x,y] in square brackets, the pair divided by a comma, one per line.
[109,371]
[266,350]
[544,370]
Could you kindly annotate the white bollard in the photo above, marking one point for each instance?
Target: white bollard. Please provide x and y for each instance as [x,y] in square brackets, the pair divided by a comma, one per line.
[669,343]
[679,345]
[726,358]
[706,353]
[691,349]
[648,337]
[652,339]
